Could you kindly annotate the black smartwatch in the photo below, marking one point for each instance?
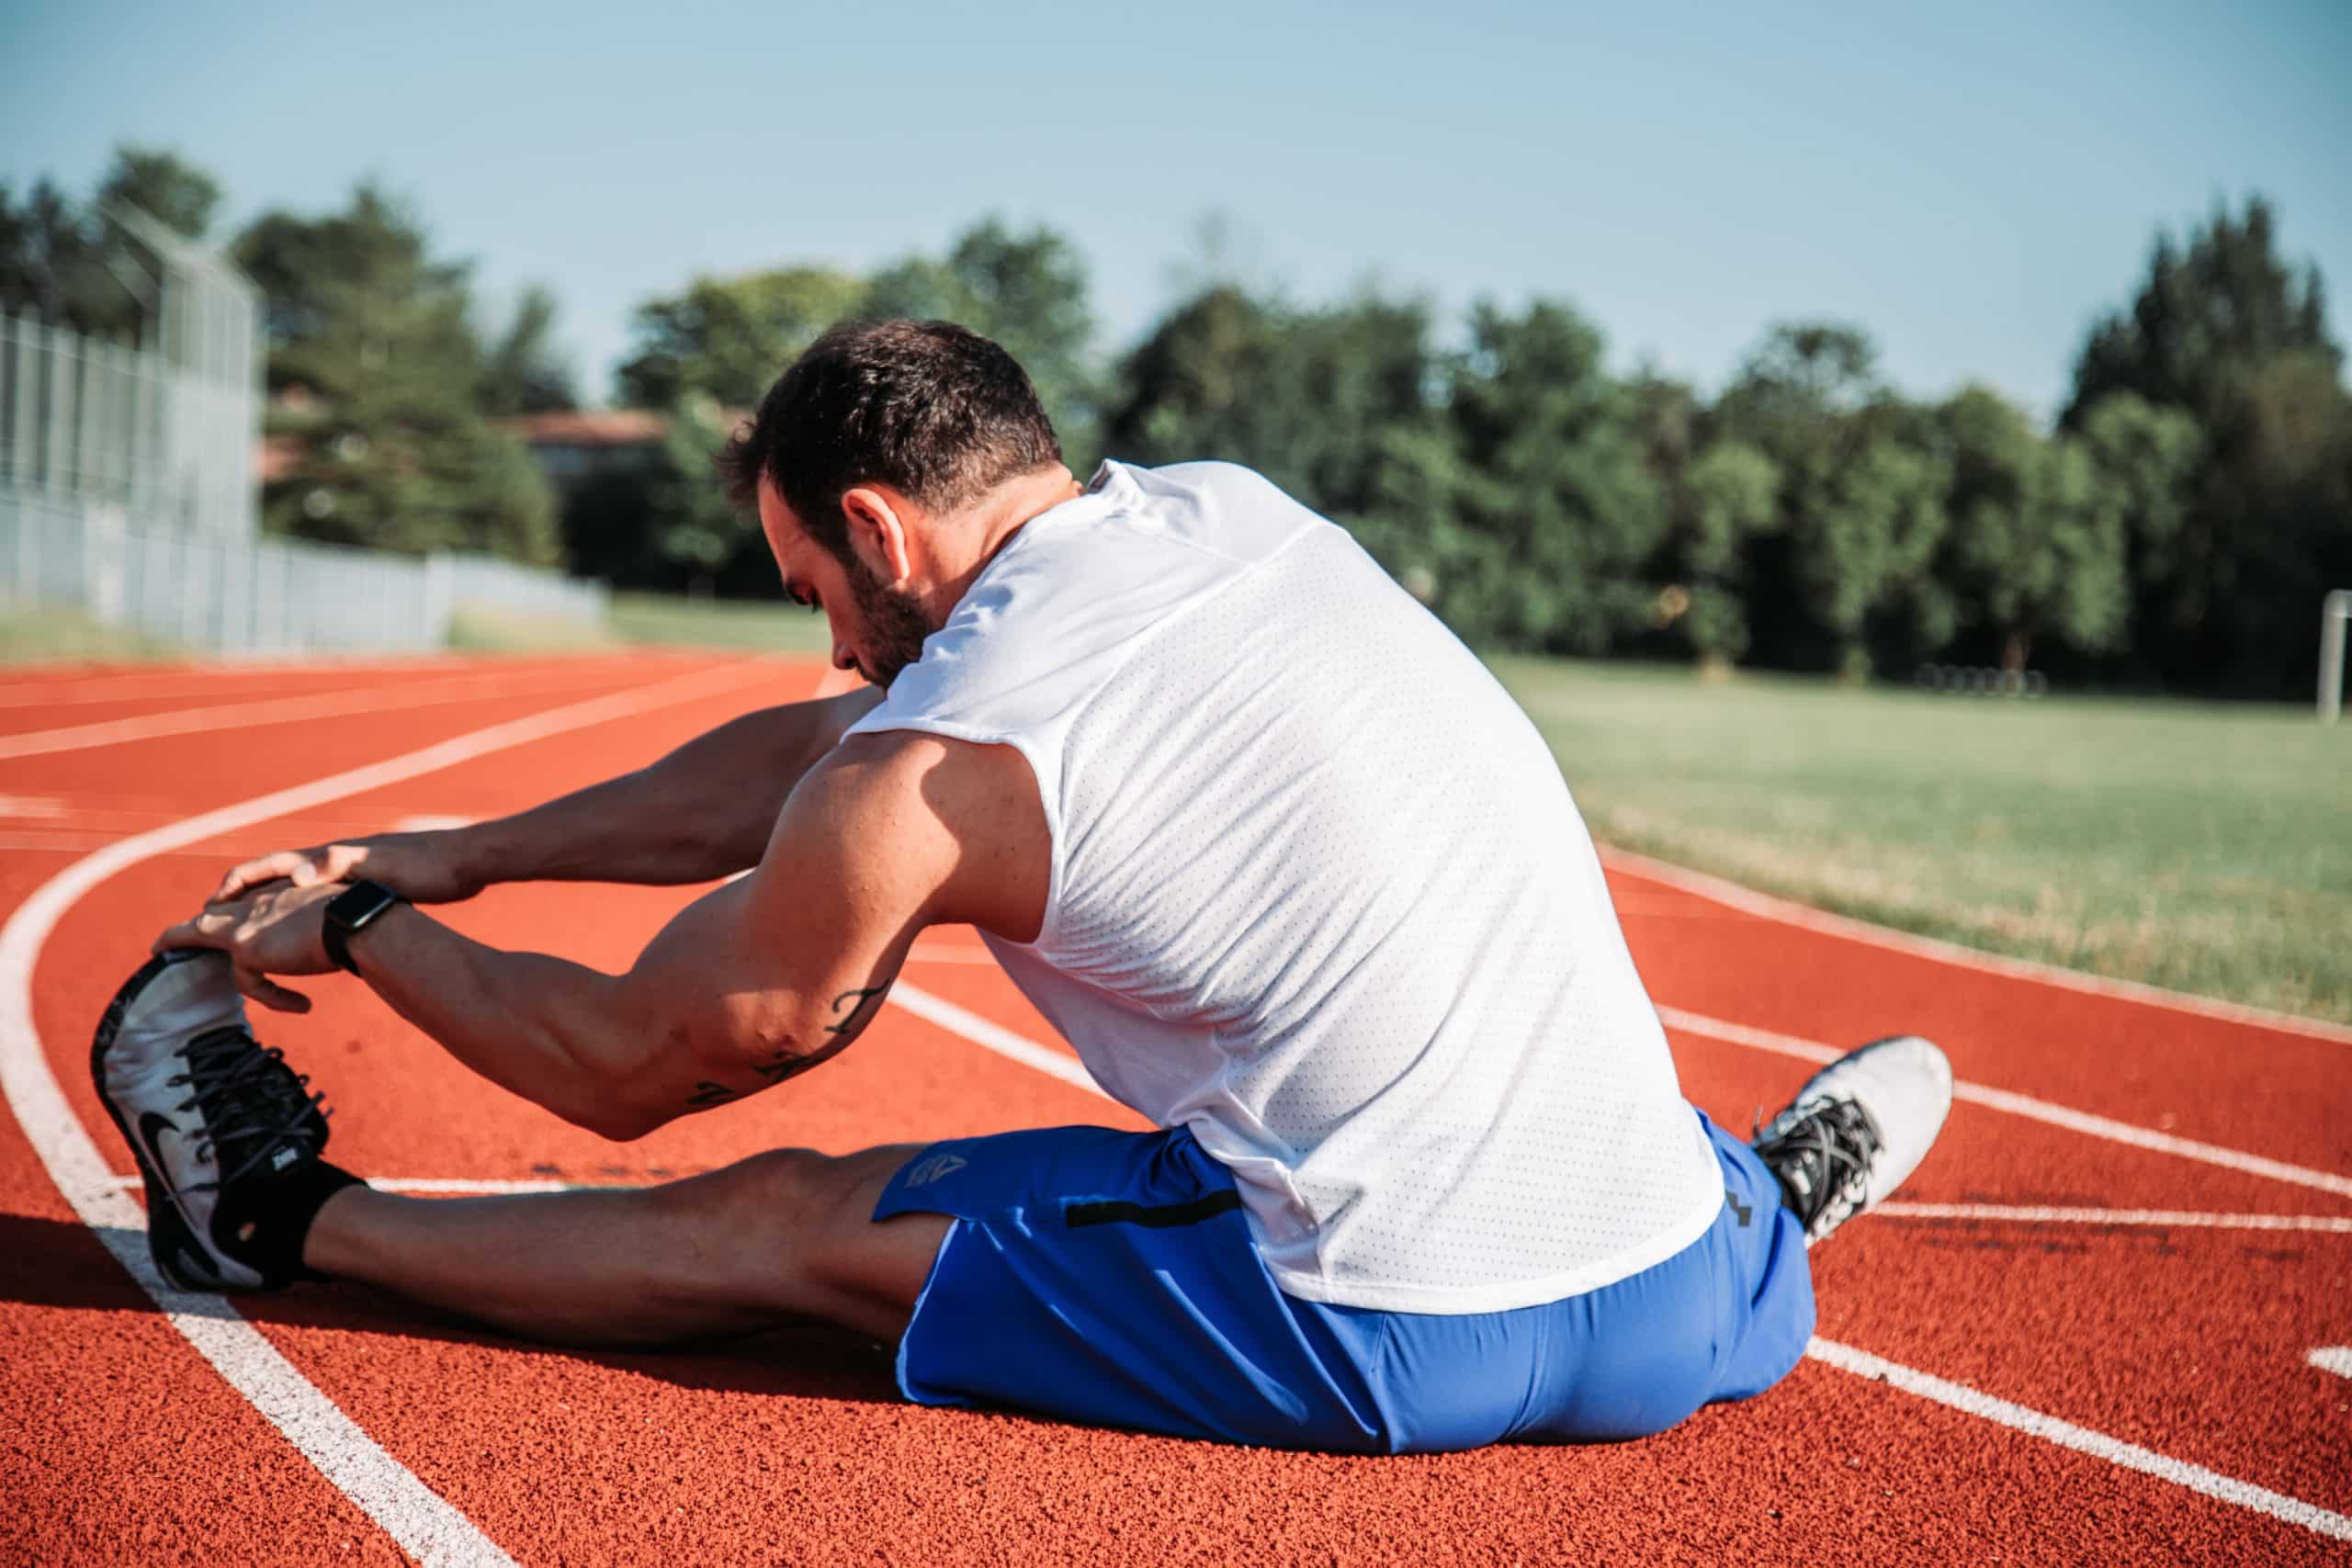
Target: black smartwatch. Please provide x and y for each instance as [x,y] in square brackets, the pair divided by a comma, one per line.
[350,912]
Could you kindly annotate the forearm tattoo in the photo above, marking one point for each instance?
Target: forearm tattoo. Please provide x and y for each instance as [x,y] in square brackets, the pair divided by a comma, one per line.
[853,1010]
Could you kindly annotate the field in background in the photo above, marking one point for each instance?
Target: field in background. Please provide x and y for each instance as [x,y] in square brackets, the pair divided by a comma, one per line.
[2206,847]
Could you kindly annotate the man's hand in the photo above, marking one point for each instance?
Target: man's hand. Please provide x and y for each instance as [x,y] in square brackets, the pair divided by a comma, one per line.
[424,868]
[274,931]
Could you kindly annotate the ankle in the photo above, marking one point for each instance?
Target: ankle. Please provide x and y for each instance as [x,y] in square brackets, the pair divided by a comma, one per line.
[267,1224]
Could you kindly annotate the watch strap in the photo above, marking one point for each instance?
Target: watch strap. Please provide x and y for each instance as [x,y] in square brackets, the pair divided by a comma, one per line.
[350,912]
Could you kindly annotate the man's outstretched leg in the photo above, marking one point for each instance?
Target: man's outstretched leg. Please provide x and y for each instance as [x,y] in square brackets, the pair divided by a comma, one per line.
[238,1197]
[779,1236]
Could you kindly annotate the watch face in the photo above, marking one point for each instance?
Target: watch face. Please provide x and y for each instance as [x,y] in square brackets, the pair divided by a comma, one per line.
[360,903]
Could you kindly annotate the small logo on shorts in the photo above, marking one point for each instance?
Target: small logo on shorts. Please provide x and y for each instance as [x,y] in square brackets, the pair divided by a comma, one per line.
[922,1173]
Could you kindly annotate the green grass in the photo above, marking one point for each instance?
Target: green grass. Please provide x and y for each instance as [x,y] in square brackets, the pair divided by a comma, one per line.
[476,629]
[718,623]
[29,636]
[2204,847]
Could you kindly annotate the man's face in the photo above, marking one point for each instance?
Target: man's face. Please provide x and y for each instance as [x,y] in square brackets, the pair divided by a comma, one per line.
[877,631]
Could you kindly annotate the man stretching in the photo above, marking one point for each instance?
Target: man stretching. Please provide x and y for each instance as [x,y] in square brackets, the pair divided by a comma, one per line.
[1266,843]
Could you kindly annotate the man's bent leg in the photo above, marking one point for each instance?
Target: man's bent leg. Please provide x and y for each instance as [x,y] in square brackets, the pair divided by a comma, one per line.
[779,1236]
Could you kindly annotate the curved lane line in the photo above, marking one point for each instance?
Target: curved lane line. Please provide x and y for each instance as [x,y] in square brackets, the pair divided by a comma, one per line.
[1787,912]
[2025,1105]
[427,1527]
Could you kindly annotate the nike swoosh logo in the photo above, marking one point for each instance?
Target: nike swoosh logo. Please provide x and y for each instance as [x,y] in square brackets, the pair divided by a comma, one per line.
[148,1125]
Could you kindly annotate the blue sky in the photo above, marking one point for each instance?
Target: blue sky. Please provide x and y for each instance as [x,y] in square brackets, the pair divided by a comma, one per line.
[1974,186]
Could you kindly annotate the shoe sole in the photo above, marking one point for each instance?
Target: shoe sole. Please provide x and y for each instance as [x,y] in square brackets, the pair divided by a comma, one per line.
[168,1230]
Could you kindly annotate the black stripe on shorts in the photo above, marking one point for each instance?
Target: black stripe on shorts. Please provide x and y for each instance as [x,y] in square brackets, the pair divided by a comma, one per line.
[1158,1217]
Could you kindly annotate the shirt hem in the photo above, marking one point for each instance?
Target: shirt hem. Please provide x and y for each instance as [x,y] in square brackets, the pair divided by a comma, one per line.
[1457,1302]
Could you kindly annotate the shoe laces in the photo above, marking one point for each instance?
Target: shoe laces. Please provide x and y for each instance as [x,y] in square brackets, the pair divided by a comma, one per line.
[1821,1152]
[250,1103]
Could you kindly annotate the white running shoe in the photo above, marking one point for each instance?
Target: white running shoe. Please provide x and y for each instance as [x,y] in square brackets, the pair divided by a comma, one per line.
[212,1118]
[1858,1128]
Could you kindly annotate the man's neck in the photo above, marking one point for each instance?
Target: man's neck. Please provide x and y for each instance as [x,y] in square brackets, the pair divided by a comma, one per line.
[991,522]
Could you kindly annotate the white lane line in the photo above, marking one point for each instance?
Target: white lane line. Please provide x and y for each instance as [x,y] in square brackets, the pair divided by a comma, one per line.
[2026,1106]
[424,1525]
[2336,1225]
[63,684]
[292,710]
[1787,912]
[995,1037]
[2336,1358]
[2082,1440]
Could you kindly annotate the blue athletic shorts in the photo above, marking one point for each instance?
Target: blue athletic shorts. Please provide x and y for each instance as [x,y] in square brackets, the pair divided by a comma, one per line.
[1109,1277]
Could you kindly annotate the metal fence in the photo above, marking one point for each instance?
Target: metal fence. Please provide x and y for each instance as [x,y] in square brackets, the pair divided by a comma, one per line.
[84,421]
[258,596]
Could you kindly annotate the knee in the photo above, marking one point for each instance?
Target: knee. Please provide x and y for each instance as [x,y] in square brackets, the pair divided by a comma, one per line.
[775,1192]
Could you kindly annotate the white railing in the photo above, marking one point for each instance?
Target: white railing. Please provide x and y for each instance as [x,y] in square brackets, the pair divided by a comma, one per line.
[258,596]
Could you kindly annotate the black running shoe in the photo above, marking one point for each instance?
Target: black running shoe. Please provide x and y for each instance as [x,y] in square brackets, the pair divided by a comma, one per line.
[1858,1127]
[216,1122]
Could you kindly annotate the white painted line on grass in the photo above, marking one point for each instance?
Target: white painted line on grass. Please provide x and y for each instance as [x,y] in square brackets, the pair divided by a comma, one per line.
[2082,1440]
[2194,1219]
[2024,1105]
[2336,1358]
[424,1525]
[290,710]
[1787,912]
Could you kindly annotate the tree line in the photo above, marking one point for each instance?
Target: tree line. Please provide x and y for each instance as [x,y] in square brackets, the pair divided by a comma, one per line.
[2176,527]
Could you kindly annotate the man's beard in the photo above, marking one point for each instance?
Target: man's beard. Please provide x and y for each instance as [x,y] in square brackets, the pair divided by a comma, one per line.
[894,622]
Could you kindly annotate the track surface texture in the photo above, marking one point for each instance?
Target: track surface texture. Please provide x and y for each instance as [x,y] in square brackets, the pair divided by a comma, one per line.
[2095,1329]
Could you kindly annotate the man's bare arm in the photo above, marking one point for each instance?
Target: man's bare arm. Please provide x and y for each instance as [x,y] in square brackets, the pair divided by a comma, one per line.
[755,982]
[702,812]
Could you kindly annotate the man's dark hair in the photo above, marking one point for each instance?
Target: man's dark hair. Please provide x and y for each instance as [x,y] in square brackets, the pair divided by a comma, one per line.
[934,411]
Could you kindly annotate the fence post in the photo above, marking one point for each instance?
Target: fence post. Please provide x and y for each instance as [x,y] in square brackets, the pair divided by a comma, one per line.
[2334,611]
[440,599]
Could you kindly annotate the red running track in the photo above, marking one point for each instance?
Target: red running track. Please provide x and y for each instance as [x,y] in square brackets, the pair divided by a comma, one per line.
[2003,1377]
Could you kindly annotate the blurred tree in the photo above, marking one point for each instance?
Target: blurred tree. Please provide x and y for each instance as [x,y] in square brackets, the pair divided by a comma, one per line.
[64,262]
[523,372]
[698,531]
[2038,541]
[1309,399]
[176,194]
[2223,330]
[2207,313]
[728,338]
[1726,494]
[1847,562]
[1531,508]
[1028,292]
[393,449]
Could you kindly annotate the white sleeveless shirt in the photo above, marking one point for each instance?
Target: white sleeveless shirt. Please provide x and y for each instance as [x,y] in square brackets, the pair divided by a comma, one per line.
[1319,894]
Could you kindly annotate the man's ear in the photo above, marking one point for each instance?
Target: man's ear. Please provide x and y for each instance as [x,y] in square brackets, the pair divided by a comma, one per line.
[877,520]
